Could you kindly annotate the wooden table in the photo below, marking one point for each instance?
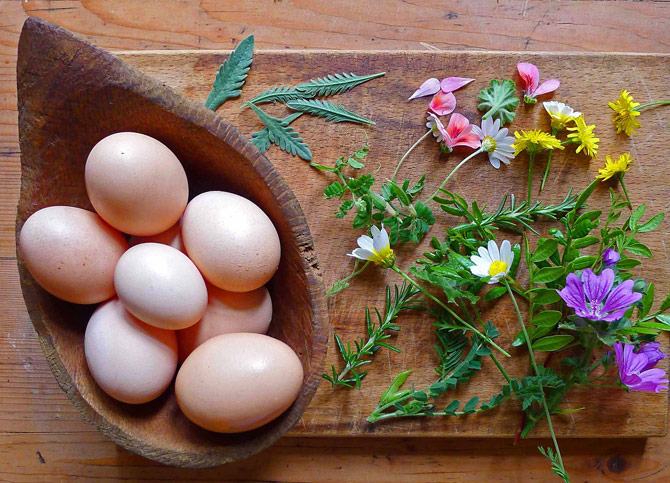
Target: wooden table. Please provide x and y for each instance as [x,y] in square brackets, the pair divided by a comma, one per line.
[42,437]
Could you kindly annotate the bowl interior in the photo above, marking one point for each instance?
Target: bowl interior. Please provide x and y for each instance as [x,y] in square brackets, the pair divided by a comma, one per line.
[58,128]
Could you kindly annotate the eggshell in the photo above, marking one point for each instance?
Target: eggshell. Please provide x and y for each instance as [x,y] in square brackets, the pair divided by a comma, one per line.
[130,360]
[238,382]
[136,184]
[231,240]
[170,237]
[72,253]
[228,312]
[160,286]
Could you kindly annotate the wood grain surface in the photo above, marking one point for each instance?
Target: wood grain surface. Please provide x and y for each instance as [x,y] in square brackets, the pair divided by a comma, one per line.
[42,437]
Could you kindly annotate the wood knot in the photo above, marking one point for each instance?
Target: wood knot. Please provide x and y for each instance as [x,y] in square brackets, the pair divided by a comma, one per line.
[616,464]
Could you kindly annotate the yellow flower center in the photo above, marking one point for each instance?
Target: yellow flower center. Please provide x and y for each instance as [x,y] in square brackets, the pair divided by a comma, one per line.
[497,267]
[385,257]
[489,144]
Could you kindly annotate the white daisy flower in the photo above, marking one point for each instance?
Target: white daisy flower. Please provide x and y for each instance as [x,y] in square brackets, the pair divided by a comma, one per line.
[561,114]
[495,141]
[493,263]
[376,249]
[432,124]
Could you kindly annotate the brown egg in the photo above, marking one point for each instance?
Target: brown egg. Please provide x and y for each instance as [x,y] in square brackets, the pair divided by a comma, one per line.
[227,313]
[170,237]
[130,360]
[72,253]
[231,240]
[136,184]
[160,286]
[238,382]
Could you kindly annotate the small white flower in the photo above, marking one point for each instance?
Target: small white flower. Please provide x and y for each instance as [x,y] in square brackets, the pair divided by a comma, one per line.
[376,249]
[561,114]
[495,141]
[433,122]
[493,263]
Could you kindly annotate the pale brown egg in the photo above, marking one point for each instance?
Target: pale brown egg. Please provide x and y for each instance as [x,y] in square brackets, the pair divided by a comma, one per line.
[160,286]
[228,312]
[130,360]
[136,184]
[170,237]
[231,240]
[72,253]
[238,382]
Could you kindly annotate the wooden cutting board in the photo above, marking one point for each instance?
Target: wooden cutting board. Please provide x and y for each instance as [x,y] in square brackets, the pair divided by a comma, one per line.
[588,82]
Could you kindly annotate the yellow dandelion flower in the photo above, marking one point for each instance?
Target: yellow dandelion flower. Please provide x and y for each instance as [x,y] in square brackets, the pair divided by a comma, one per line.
[625,113]
[534,141]
[613,168]
[583,135]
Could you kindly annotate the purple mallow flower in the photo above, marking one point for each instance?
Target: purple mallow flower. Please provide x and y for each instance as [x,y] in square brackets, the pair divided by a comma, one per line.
[610,257]
[593,298]
[636,370]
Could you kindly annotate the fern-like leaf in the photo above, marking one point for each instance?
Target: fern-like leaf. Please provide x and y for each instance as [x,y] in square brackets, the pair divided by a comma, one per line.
[327,110]
[276,93]
[281,134]
[261,139]
[232,73]
[334,84]
[499,101]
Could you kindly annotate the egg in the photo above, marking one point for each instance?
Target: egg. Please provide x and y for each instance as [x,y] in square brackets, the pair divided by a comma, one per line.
[228,312]
[135,183]
[71,253]
[159,285]
[170,237]
[130,360]
[238,382]
[231,240]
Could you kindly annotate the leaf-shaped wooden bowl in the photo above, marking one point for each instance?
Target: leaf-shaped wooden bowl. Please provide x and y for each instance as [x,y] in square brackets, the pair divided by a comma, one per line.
[72,94]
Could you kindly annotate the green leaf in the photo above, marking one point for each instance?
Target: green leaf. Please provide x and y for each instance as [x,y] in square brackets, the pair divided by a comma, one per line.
[635,217]
[654,325]
[638,248]
[281,134]
[470,406]
[337,287]
[547,318]
[274,94]
[230,77]
[452,407]
[666,304]
[545,249]
[499,100]
[261,139]
[354,163]
[647,300]
[664,318]
[393,388]
[546,297]
[627,263]
[495,293]
[586,241]
[327,110]
[552,342]
[583,262]
[548,274]
[333,190]
[652,224]
[334,84]
[584,195]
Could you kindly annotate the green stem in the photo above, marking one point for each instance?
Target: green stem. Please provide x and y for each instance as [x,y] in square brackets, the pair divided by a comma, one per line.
[625,192]
[530,175]
[402,160]
[449,311]
[657,103]
[554,131]
[356,272]
[446,180]
[537,372]
[493,356]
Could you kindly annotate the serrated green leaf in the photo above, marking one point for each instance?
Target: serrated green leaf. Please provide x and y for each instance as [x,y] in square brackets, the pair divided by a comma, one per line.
[547,318]
[261,139]
[281,134]
[548,274]
[499,100]
[231,75]
[327,110]
[334,84]
[276,93]
[552,342]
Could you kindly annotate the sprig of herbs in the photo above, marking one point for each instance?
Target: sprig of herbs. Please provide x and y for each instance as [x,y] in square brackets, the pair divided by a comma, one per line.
[401,299]
[232,74]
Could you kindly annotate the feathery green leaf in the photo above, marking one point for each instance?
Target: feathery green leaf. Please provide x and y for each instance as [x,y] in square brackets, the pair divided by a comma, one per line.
[276,93]
[261,139]
[231,75]
[281,134]
[334,84]
[327,110]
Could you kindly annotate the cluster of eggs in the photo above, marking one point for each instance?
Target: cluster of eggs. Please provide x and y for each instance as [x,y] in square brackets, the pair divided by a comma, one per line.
[187,287]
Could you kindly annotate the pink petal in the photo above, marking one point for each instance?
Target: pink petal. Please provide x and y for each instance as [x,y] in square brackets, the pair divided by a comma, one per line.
[442,104]
[457,124]
[530,76]
[428,88]
[451,84]
[468,139]
[439,125]
[547,86]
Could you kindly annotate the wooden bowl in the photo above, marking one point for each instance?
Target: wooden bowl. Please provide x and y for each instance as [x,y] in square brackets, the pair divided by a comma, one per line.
[72,94]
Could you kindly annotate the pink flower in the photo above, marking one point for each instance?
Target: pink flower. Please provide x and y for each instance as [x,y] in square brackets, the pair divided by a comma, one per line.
[531,83]
[443,104]
[446,85]
[457,133]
